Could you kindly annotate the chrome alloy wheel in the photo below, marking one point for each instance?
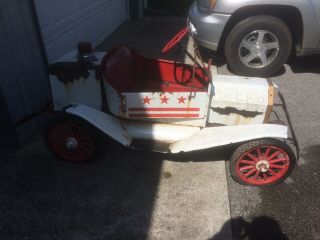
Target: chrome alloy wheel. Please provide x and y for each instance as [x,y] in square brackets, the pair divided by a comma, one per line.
[259,49]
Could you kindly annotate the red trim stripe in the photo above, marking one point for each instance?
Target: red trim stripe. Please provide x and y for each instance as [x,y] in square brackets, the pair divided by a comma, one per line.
[164,109]
[164,115]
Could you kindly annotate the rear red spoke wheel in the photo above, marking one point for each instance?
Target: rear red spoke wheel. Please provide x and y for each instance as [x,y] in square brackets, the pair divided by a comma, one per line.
[262,165]
[249,173]
[280,160]
[272,172]
[252,157]
[248,162]
[259,153]
[71,141]
[266,154]
[256,176]
[264,176]
[274,155]
[247,168]
[273,166]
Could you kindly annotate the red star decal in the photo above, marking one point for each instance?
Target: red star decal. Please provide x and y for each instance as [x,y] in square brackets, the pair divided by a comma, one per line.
[164,100]
[182,100]
[146,100]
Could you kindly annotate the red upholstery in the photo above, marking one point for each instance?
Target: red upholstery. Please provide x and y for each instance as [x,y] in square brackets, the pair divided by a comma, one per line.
[119,69]
[127,71]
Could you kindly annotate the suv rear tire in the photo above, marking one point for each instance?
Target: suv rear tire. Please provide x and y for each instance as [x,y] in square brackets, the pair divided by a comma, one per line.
[258,46]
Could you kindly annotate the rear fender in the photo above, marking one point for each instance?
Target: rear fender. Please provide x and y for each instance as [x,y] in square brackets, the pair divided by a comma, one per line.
[106,123]
[221,136]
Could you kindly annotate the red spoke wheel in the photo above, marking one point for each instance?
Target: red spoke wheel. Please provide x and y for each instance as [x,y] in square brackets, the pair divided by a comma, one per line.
[262,163]
[70,141]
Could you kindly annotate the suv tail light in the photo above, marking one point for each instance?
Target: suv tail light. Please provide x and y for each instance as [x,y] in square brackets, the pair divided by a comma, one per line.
[206,6]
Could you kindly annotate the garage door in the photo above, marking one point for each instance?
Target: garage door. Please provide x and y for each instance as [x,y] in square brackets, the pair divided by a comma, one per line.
[65,23]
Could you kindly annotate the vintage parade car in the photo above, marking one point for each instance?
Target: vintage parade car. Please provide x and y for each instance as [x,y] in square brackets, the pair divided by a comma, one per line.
[166,106]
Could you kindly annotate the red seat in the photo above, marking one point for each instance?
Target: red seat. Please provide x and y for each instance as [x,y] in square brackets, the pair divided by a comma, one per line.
[127,71]
[119,69]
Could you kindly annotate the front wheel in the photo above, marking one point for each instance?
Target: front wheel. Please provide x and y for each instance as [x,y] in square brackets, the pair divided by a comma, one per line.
[262,163]
[258,46]
[70,140]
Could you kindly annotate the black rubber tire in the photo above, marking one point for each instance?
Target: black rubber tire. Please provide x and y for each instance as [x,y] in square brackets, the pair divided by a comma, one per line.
[67,118]
[245,27]
[260,143]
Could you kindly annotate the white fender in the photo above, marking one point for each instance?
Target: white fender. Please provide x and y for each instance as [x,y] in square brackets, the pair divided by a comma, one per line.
[220,136]
[110,125]
[165,133]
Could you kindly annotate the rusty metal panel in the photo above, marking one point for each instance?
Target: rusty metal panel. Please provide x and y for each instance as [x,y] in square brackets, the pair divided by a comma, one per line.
[240,100]
[24,81]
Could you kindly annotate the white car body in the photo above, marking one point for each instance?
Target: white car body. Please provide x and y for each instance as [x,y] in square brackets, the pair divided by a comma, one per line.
[231,110]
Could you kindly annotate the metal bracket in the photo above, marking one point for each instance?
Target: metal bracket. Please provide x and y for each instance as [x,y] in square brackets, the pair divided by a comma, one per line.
[294,138]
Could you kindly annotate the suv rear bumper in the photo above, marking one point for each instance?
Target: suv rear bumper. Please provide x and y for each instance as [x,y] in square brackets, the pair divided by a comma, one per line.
[207,29]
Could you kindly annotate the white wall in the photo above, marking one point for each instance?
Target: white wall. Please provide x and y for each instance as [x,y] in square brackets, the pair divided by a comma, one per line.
[65,23]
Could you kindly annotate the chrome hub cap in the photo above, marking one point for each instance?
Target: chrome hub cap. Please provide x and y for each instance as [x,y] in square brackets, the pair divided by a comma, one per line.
[259,49]
[263,166]
[71,143]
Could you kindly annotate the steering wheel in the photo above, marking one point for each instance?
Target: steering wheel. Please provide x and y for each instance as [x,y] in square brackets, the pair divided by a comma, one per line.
[175,40]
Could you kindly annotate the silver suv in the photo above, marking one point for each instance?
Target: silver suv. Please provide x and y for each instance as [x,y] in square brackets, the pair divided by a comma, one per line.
[257,37]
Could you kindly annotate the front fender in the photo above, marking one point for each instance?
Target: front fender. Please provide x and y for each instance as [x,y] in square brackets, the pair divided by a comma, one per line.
[106,123]
[221,136]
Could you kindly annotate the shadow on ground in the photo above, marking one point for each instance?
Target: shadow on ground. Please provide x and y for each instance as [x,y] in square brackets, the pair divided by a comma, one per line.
[260,228]
[110,198]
